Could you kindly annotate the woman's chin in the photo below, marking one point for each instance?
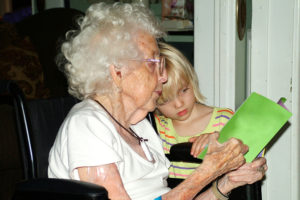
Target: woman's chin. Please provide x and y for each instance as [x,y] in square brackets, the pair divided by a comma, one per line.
[151,106]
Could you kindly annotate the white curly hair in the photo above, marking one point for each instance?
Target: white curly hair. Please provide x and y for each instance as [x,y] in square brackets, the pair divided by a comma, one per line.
[105,37]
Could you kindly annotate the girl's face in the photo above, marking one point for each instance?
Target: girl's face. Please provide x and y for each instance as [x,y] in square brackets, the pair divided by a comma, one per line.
[181,107]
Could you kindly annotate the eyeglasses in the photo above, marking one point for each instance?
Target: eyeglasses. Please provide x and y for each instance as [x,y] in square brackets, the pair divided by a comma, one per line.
[155,63]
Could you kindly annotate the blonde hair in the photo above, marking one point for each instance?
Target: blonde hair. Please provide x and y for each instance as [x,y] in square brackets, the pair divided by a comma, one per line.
[105,37]
[180,73]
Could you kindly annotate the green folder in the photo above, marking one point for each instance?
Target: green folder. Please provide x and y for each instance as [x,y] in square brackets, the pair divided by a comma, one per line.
[256,122]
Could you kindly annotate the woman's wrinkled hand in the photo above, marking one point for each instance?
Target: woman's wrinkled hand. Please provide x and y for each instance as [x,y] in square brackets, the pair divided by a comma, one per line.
[248,173]
[222,158]
[200,143]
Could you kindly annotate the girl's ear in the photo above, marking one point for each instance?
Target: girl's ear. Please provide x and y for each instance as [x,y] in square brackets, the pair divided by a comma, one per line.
[116,74]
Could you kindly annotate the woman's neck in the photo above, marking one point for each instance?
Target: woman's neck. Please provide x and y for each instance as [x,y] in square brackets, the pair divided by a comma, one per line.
[123,111]
[114,107]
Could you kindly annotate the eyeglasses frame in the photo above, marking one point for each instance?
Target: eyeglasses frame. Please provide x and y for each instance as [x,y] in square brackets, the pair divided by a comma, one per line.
[161,62]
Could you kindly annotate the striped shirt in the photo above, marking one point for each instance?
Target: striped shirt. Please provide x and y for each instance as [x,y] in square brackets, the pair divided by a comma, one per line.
[219,118]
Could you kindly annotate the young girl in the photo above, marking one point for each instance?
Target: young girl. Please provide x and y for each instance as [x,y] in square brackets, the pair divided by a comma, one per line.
[181,114]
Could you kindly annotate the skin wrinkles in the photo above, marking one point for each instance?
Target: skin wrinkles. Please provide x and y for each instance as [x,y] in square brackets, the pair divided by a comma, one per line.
[193,184]
[133,92]
[207,172]
[141,87]
[137,96]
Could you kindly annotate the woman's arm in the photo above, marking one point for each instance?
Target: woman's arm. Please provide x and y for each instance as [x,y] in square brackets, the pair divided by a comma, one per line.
[220,159]
[247,174]
[107,176]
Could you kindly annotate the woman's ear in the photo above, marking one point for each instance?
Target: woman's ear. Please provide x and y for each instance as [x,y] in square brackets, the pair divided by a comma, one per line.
[116,74]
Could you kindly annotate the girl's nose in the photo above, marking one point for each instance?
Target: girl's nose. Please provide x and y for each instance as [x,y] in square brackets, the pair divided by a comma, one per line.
[178,102]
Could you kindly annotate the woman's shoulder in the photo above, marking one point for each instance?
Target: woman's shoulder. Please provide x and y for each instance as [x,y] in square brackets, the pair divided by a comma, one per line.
[85,106]
[87,109]
[85,118]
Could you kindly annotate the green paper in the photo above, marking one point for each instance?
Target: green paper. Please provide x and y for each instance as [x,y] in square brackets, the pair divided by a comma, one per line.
[256,122]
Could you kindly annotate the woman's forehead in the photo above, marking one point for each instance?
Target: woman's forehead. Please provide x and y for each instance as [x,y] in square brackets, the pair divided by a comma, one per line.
[146,43]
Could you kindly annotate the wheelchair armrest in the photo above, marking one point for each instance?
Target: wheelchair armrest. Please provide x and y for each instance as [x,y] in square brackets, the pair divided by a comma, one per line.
[62,189]
[181,152]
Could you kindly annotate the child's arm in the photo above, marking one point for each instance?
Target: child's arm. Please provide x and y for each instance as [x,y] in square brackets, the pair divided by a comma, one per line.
[200,143]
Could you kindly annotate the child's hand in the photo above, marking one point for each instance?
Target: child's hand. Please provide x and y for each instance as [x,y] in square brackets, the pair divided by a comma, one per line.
[200,142]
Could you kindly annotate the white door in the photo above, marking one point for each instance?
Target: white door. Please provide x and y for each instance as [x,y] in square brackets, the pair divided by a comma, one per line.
[220,56]
[271,69]
[275,73]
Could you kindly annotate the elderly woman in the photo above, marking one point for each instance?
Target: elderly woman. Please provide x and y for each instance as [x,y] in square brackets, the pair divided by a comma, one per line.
[114,66]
